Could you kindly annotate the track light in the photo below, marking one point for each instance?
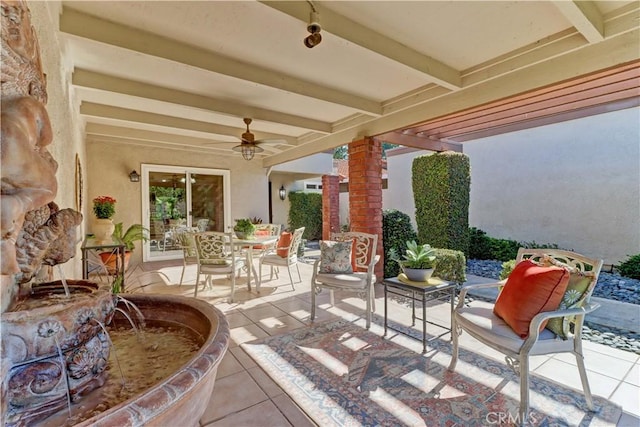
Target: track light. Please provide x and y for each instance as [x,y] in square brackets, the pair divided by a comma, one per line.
[312,40]
[314,28]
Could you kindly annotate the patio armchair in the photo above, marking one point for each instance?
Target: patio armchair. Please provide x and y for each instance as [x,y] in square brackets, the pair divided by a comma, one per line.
[217,255]
[283,256]
[482,323]
[362,278]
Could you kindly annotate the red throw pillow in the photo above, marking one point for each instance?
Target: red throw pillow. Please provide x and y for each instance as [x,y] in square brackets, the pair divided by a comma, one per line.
[261,233]
[283,244]
[530,289]
[354,266]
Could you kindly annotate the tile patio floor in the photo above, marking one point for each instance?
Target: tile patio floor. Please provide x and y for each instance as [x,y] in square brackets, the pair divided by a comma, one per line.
[244,395]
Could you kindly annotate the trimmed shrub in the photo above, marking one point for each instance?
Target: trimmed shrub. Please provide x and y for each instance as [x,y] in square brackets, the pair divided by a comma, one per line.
[306,211]
[397,230]
[451,265]
[631,267]
[507,268]
[479,244]
[441,185]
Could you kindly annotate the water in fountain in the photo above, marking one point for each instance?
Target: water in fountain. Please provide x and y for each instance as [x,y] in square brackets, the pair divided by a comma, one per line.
[64,281]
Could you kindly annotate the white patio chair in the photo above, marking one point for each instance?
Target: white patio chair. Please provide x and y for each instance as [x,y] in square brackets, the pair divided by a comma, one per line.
[186,241]
[217,256]
[361,281]
[283,257]
[482,324]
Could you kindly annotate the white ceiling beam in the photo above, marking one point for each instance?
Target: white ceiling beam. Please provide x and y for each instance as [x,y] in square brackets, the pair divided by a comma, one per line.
[100,129]
[585,17]
[99,30]
[164,146]
[103,82]
[362,36]
[611,52]
[127,115]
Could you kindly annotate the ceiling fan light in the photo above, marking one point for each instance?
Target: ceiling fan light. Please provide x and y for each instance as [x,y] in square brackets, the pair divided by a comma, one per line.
[248,151]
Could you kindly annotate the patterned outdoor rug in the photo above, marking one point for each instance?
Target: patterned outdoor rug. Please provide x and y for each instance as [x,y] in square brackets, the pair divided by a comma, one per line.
[340,374]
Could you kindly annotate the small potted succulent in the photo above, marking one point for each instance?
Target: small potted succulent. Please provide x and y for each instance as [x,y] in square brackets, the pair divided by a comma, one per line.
[418,261]
[244,228]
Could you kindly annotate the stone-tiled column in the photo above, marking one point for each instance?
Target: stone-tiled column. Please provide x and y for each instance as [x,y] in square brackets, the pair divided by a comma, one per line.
[365,192]
[330,205]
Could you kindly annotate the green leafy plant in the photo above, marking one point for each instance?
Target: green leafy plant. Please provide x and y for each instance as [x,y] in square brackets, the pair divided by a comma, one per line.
[244,225]
[134,233]
[631,267]
[507,268]
[441,185]
[396,231]
[451,265]
[415,256]
[305,210]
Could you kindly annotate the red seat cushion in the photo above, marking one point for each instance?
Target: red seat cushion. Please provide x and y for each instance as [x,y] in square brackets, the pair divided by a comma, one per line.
[530,289]
[283,244]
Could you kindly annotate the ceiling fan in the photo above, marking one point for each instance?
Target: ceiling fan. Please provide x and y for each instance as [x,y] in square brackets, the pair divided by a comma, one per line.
[248,145]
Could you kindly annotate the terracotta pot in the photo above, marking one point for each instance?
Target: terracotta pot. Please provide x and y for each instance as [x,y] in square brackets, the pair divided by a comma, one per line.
[111,260]
[103,229]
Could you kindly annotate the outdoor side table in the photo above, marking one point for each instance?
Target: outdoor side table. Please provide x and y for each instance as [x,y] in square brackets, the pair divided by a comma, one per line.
[115,247]
[434,289]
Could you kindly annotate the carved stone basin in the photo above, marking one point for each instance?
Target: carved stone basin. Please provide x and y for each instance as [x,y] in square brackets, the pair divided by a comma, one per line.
[181,399]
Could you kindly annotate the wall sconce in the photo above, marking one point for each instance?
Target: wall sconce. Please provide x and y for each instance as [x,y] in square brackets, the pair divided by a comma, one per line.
[134,176]
[282,193]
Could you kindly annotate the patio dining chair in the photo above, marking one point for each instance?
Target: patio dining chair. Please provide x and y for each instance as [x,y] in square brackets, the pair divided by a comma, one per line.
[356,277]
[283,256]
[185,238]
[525,308]
[217,256]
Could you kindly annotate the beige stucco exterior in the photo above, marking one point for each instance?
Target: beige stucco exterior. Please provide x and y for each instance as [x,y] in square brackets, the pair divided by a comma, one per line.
[575,183]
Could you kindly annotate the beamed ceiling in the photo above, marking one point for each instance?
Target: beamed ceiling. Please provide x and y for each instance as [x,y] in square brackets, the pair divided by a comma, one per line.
[428,74]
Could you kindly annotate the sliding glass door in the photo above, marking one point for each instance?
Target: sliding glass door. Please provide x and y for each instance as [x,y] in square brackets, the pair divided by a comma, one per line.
[177,197]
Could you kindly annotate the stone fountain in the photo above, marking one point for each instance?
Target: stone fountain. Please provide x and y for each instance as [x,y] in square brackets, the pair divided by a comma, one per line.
[54,348]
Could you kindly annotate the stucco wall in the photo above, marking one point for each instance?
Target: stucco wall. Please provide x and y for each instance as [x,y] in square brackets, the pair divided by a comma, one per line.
[66,123]
[109,164]
[575,183]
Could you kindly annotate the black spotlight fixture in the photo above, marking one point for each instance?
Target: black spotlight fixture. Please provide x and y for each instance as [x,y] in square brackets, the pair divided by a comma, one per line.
[314,28]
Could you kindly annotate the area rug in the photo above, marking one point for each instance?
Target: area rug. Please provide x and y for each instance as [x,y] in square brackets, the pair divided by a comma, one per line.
[340,374]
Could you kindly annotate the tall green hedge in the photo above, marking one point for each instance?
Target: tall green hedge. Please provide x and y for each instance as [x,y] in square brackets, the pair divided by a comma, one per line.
[305,210]
[396,231]
[441,184]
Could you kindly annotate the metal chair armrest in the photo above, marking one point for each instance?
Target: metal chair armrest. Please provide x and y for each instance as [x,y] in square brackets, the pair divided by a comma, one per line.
[465,288]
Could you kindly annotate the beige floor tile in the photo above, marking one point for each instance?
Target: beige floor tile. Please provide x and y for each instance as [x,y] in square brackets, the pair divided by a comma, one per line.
[232,394]
[237,319]
[628,420]
[265,382]
[599,362]
[633,377]
[241,356]
[628,396]
[280,325]
[263,311]
[229,366]
[264,414]
[567,374]
[246,333]
[292,412]
[614,352]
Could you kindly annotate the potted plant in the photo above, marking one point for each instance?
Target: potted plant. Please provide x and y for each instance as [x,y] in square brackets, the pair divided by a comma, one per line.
[104,207]
[418,261]
[134,233]
[244,228]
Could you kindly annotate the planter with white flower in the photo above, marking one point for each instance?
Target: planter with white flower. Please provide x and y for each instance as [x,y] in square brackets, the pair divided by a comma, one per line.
[418,261]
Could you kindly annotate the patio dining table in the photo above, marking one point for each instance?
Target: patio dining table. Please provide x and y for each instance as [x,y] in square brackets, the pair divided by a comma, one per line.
[250,243]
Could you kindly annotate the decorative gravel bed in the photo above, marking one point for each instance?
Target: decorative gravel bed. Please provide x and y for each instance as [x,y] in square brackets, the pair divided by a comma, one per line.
[610,286]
